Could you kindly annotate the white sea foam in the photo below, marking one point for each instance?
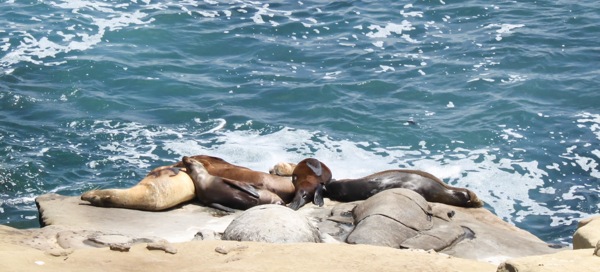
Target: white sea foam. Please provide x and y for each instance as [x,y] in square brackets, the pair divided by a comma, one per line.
[129,142]
[493,178]
[385,68]
[579,159]
[332,75]
[384,32]
[504,30]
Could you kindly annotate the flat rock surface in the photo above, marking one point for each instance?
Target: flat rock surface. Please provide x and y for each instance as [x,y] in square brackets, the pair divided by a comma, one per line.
[80,237]
[175,225]
[581,260]
[236,256]
[82,225]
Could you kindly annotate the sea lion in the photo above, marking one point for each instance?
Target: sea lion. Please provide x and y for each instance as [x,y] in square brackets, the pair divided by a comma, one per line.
[346,190]
[283,169]
[161,189]
[430,187]
[226,194]
[310,177]
[164,188]
[281,186]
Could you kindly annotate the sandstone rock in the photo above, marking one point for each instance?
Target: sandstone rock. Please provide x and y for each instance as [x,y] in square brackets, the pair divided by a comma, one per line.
[55,240]
[334,219]
[401,218]
[493,240]
[581,260]
[443,236]
[206,235]
[273,224]
[174,225]
[241,256]
[162,245]
[588,233]
[397,204]
[475,233]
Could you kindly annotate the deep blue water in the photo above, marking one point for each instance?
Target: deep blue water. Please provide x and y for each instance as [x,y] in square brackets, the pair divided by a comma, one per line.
[502,97]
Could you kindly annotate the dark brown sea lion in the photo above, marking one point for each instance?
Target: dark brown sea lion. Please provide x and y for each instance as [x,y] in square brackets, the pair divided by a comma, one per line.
[309,177]
[280,185]
[310,183]
[430,187]
[226,194]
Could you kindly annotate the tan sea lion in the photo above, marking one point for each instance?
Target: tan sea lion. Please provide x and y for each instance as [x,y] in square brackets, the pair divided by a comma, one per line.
[226,194]
[161,189]
[283,169]
[310,183]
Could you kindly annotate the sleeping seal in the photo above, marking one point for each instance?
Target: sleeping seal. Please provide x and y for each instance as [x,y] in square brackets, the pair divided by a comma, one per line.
[312,178]
[168,186]
[226,194]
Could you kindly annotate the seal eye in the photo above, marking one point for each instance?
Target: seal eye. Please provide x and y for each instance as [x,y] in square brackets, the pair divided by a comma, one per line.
[304,195]
[294,178]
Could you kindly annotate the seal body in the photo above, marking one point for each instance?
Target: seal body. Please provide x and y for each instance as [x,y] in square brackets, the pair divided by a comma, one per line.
[281,186]
[310,177]
[161,189]
[430,187]
[224,193]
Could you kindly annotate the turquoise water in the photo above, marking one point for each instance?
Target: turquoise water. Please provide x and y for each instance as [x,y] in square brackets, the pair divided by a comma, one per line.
[502,98]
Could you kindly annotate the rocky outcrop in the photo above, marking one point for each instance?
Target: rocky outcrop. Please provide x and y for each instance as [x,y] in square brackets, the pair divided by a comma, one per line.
[582,260]
[77,236]
[588,233]
[179,224]
[221,256]
[397,218]
[401,218]
[272,224]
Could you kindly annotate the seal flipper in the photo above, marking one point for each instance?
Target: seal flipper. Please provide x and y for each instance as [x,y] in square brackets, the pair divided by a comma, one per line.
[223,208]
[175,171]
[245,187]
[318,198]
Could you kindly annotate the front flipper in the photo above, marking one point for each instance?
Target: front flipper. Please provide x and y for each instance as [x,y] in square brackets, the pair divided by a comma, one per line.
[318,198]
[223,208]
[245,187]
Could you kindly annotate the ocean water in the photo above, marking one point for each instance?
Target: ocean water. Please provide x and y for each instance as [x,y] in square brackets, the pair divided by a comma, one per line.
[500,97]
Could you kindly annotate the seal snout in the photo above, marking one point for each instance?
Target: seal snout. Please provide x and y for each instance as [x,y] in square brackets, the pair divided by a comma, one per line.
[96,197]
[474,201]
[187,160]
[193,165]
[309,178]
[300,200]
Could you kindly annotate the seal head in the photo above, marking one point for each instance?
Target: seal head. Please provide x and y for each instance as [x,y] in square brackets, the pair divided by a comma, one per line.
[309,178]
